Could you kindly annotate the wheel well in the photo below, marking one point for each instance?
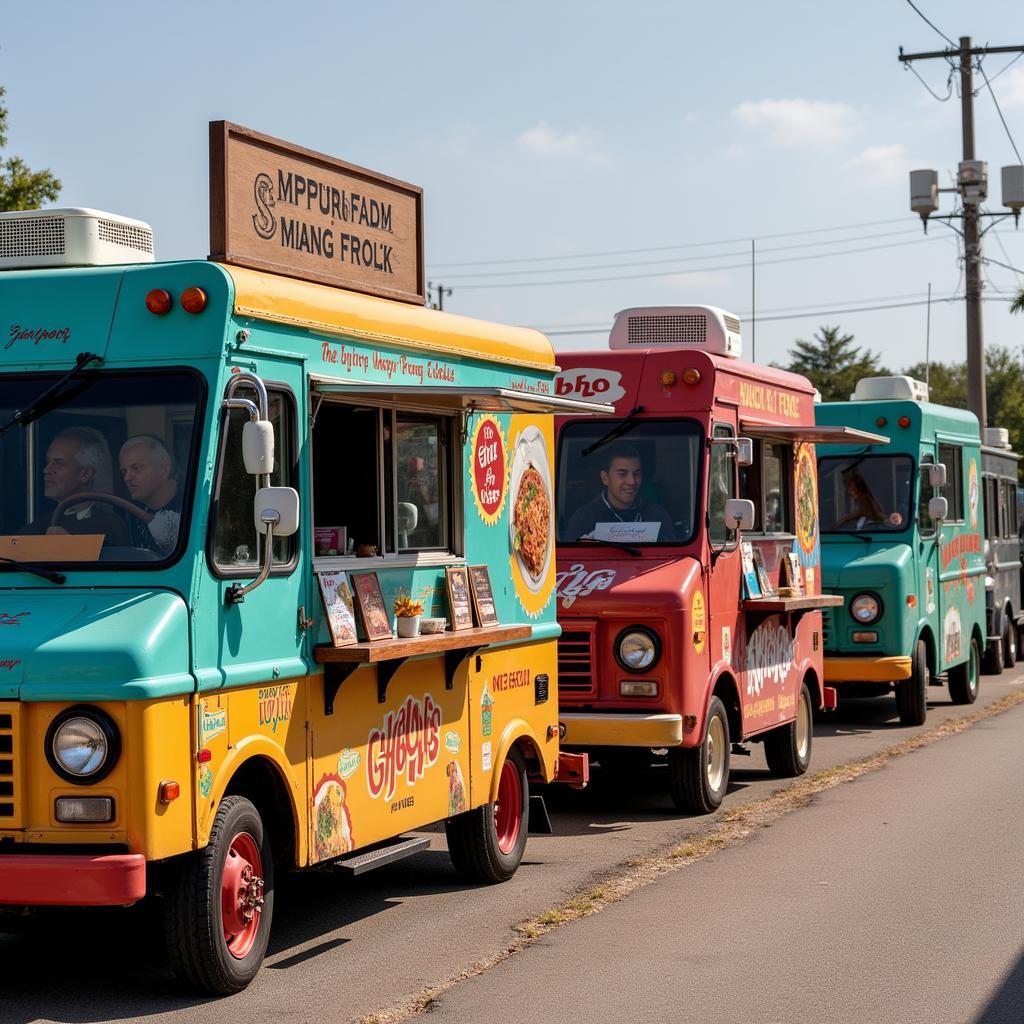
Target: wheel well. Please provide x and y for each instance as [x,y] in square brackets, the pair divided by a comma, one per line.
[531,755]
[929,647]
[727,692]
[259,781]
[977,634]
[814,685]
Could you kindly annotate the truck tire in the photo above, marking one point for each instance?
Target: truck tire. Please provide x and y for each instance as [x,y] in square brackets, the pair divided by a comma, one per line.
[912,693]
[699,776]
[963,678]
[788,748]
[486,844]
[992,659]
[218,909]
[1010,643]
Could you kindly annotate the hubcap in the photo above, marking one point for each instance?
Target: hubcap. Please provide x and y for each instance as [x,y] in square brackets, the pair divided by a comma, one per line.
[803,728]
[241,892]
[508,809]
[715,753]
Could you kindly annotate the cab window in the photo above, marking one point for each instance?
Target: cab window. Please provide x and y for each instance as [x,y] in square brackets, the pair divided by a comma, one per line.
[925,523]
[721,486]
[951,456]
[766,483]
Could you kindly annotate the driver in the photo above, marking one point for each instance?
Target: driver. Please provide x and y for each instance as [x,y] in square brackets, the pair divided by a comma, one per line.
[866,508]
[620,501]
[148,473]
[78,460]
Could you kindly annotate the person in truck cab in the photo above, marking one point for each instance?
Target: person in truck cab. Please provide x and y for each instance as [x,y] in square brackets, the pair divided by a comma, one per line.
[866,508]
[148,473]
[619,500]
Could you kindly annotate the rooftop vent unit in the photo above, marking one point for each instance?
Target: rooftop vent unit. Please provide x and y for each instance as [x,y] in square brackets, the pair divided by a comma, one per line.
[701,327]
[890,389]
[72,238]
[997,437]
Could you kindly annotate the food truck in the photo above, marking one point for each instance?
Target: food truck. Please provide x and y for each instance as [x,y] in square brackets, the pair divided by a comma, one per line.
[902,543]
[1004,617]
[220,481]
[688,586]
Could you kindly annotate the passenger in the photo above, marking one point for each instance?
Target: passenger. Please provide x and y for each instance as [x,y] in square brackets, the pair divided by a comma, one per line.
[620,501]
[866,508]
[77,461]
[148,473]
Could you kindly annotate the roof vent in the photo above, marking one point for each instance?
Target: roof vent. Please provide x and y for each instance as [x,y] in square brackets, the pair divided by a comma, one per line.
[997,437]
[701,327]
[72,238]
[890,389]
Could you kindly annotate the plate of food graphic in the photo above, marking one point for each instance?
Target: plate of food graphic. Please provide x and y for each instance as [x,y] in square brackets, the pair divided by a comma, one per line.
[531,524]
[332,824]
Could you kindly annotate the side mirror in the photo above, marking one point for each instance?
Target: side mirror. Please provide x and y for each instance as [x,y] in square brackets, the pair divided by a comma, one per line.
[936,474]
[744,451]
[277,507]
[739,514]
[938,509]
[258,447]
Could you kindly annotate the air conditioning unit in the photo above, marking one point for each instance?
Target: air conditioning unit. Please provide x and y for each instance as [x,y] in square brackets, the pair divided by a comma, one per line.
[701,327]
[890,389]
[997,437]
[72,238]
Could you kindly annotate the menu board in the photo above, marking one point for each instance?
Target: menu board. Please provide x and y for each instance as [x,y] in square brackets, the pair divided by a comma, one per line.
[483,597]
[341,619]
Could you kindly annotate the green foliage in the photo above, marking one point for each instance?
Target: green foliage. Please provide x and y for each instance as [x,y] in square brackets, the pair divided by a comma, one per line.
[20,187]
[1017,306]
[833,364]
[947,382]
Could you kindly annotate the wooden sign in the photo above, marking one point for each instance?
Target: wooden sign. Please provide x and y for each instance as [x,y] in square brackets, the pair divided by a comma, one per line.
[341,618]
[483,597]
[459,601]
[277,207]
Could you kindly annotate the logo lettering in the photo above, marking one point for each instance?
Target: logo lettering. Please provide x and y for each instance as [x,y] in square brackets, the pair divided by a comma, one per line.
[576,581]
[407,744]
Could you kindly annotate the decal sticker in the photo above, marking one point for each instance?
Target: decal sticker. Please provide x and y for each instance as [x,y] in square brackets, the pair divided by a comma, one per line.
[929,589]
[407,744]
[964,544]
[726,644]
[486,712]
[698,621]
[485,757]
[332,823]
[578,581]
[531,518]
[348,762]
[452,742]
[488,470]
[275,705]
[211,723]
[769,657]
[806,485]
[6,619]
[952,632]
[457,802]
[205,781]
[599,385]
[972,493]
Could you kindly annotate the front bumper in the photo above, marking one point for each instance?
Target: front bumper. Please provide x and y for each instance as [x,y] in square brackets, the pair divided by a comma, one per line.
[867,669]
[596,729]
[58,880]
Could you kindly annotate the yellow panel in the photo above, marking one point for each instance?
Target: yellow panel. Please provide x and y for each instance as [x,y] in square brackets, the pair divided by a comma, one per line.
[583,729]
[867,670]
[328,310]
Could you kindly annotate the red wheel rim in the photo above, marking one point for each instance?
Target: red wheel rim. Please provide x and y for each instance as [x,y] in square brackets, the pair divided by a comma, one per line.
[508,810]
[241,895]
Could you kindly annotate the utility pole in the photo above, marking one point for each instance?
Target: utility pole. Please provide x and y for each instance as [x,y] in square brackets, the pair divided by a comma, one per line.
[972,184]
[441,293]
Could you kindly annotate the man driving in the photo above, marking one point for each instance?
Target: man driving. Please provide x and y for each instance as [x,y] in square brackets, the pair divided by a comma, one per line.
[148,472]
[77,461]
[620,501]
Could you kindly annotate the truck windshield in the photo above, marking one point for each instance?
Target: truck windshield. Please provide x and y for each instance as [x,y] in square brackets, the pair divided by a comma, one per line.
[865,493]
[101,474]
[640,488]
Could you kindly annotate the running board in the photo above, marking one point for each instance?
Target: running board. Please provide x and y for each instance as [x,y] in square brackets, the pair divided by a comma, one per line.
[398,849]
[540,823]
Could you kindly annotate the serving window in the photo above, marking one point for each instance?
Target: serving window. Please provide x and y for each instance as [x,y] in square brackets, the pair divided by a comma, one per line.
[384,481]
[766,482]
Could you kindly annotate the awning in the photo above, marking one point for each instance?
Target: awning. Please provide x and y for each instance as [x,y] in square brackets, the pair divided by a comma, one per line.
[809,433]
[464,399]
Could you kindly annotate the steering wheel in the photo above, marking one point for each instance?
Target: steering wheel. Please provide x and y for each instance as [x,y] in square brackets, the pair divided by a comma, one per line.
[109,499]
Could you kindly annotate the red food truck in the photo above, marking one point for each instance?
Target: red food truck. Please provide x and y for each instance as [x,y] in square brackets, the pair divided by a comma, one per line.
[688,587]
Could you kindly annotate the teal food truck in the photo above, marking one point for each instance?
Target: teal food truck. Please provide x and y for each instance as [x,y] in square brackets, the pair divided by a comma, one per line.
[901,541]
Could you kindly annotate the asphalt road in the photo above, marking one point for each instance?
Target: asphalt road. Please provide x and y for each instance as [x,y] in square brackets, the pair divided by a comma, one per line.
[343,948]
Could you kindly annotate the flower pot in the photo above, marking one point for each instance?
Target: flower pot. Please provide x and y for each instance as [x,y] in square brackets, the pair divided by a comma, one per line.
[408,626]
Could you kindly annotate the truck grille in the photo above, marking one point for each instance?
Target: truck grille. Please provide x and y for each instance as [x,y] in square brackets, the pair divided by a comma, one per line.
[576,659]
[10,795]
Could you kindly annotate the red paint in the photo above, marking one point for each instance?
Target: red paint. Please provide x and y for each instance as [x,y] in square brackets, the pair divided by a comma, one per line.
[241,895]
[508,809]
[59,880]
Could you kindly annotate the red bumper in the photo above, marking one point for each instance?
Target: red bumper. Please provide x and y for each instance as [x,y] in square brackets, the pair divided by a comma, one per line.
[831,701]
[56,880]
[573,769]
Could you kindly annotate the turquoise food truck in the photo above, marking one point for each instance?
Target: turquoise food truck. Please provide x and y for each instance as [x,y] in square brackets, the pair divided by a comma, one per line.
[901,537]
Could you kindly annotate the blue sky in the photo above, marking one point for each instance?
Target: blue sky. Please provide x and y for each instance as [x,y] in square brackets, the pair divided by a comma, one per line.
[561,130]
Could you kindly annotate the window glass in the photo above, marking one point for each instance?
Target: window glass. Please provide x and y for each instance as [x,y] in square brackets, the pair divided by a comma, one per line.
[236,544]
[1005,504]
[419,448]
[951,456]
[640,486]
[721,487]
[991,489]
[109,461]
[865,493]
[925,523]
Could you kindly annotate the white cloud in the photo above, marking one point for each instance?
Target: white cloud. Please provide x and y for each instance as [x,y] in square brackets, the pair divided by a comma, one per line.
[799,122]
[695,281]
[543,140]
[882,165]
[1010,90]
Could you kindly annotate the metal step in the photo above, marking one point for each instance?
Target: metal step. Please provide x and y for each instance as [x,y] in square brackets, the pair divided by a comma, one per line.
[388,853]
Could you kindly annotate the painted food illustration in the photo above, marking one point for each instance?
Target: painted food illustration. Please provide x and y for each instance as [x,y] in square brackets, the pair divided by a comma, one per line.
[332,825]
[457,802]
[807,503]
[532,519]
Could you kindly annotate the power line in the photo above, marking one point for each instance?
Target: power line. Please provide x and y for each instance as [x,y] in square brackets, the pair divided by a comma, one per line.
[935,95]
[1006,67]
[667,248]
[1006,127]
[930,23]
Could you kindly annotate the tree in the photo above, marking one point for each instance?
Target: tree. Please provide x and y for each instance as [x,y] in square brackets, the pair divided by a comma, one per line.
[947,382]
[833,364]
[20,187]
[1017,306]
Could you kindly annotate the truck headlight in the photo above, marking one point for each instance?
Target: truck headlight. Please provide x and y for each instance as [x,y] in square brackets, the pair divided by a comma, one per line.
[866,608]
[637,649]
[83,744]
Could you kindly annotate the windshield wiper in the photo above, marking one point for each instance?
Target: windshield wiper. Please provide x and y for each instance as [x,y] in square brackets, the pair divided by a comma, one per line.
[635,552]
[32,411]
[36,570]
[620,428]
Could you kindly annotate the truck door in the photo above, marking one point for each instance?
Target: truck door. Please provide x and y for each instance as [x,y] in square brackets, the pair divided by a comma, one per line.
[724,577]
[927,555]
